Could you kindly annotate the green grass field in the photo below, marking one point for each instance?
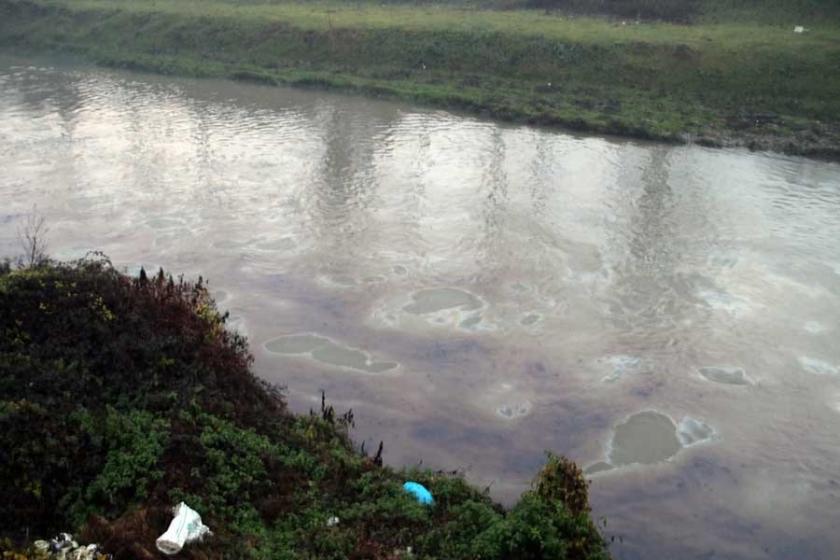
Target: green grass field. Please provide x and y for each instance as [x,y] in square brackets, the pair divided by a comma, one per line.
[735,75]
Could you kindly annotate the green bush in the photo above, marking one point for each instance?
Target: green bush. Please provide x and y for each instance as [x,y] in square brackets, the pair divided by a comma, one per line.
[133,444]
[123,396]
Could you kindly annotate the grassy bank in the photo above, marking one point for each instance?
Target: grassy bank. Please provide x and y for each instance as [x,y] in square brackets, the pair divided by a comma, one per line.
[120,397]
[734,76]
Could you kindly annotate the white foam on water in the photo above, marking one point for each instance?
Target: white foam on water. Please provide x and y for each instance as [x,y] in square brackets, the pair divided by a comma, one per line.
[814,327]
[326,351]
[520,288]
[620,365]
[725,375]
[645,437]
[451,308]
[471,322]
[434,300]
[735,305]
[691,431]
[530,319]
[512,411]
[337,281]
[650,437]
[506,401]
[818,367]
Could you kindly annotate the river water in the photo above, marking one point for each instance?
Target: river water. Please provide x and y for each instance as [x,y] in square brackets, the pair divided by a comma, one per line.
[479,293]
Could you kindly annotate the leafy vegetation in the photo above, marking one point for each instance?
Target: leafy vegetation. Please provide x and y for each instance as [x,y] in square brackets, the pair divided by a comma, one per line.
[668,10]
[737,75]
[120,397]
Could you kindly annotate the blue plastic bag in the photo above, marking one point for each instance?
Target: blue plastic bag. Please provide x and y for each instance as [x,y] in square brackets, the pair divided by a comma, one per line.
[419,492]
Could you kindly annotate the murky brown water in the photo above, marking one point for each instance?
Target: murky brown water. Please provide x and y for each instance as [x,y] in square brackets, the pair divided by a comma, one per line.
[478,293]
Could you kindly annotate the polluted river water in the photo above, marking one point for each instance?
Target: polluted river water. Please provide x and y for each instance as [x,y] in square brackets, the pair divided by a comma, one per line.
[478,293]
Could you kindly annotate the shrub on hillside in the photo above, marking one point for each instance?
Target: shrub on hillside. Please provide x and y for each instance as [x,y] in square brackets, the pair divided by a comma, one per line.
[120,397]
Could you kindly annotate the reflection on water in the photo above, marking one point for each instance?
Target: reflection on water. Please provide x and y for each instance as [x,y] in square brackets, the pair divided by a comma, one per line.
[479,293]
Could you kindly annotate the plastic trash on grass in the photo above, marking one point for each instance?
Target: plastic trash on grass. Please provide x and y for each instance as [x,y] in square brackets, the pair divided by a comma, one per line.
[184,529]
[419,492]
[799,29]
[63,547]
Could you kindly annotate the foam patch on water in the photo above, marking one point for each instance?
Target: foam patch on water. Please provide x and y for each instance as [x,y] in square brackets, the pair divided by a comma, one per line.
[650,437]
[471,323]
[433,300]
[326,351]
[513,411]
[814,327]
[520,288]
[644,438]
[295,344]
[530,319]
[343,280]
[444,307]
[691,431]
[723,260]
[727,375]
[736,306]
[818,367]
[505,400]
[620,365]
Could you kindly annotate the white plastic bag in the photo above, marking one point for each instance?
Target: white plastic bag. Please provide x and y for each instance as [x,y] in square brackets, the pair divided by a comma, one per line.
[185,528]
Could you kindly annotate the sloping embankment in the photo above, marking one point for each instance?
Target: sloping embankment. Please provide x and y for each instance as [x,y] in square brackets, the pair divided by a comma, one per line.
[120,397]
[725,84]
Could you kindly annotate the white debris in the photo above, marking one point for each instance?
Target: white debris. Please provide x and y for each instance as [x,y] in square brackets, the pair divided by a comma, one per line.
[184,529]
[799,29]
[332,521]
[63,547]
